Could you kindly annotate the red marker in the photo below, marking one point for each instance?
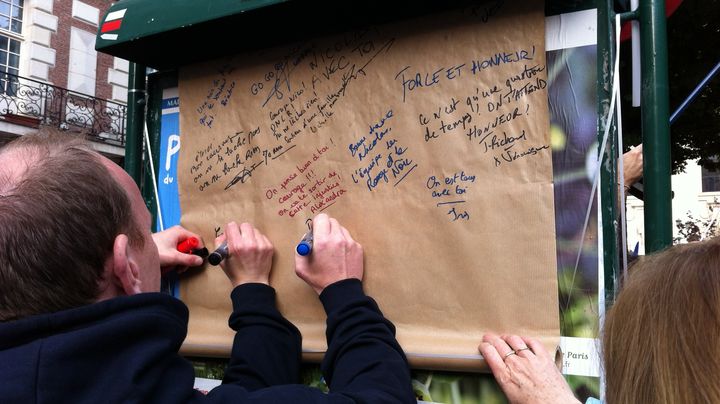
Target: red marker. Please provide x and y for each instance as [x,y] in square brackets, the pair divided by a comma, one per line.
[190,246]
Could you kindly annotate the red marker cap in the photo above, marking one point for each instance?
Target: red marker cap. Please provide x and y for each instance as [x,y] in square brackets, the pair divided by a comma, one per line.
[188,245]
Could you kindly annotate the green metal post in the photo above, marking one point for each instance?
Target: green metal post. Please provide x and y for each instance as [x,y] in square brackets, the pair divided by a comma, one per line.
[153,126]
[655,126]
[135,121]
[608,172]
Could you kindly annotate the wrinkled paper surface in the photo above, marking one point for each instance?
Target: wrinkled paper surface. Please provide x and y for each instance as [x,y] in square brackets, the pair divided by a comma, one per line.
[428,139]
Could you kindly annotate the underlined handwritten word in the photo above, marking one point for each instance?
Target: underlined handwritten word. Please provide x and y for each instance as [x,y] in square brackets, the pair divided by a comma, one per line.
[450,190]
[381,165]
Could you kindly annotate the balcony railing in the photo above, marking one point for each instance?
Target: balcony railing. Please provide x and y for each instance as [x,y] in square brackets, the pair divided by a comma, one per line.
[28,101]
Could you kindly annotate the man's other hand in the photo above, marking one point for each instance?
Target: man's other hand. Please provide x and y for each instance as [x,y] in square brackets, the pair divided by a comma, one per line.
[170,258]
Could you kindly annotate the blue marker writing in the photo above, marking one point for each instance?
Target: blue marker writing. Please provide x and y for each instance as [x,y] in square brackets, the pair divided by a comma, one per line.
[218,255]
[304,247]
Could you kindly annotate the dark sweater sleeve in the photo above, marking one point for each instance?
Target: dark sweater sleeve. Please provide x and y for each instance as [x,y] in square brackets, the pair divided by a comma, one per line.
[364,360]
[266,349]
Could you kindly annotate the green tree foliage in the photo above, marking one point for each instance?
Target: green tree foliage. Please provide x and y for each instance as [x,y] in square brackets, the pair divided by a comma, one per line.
[696,229]
[693,50]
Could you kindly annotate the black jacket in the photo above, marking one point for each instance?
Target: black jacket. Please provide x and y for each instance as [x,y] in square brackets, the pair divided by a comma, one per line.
[125,350]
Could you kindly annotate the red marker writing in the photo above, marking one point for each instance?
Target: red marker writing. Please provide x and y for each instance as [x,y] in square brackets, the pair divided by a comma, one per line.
[190,246]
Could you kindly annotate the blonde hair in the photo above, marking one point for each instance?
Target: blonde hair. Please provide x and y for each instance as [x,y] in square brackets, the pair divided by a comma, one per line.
[661,339]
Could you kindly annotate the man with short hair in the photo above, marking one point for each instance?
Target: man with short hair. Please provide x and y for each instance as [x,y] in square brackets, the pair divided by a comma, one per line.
[81,319]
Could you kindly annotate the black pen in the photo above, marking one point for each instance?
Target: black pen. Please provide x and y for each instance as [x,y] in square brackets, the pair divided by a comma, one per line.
[219,254]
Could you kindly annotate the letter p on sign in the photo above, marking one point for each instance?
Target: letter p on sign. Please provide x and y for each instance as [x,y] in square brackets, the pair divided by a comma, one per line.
[172,149]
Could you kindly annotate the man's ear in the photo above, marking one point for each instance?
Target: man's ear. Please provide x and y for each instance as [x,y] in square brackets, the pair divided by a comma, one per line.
[124,269]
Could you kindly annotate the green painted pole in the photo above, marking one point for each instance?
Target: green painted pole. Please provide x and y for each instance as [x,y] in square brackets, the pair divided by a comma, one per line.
[153,125]
[135,121]
[655,125]
[608,171]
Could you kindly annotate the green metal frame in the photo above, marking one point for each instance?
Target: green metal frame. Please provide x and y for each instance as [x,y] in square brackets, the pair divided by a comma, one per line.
[157,24]
[143,18]
[148,21]
[608,169]
[655,133]
[655,125]
[135,121]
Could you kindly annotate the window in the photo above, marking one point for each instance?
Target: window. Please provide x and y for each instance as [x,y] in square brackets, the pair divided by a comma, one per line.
[11,12]
[710,180]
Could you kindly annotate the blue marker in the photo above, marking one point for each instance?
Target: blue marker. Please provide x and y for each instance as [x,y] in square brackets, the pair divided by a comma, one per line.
[304,247]
[218,255]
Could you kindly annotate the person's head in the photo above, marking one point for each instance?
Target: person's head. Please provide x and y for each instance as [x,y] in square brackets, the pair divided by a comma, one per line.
[661,338]
[73,228]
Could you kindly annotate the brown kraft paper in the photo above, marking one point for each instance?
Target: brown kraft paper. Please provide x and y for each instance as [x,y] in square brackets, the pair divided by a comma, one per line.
[428,139]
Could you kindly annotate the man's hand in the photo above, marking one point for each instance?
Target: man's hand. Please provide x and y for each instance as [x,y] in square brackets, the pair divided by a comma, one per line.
[335,255]
[633,166]
[525,370]
[170,258]
[250,254]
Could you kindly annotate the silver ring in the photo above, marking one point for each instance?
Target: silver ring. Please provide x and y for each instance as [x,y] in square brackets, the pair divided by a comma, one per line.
[509,353]
[523,349]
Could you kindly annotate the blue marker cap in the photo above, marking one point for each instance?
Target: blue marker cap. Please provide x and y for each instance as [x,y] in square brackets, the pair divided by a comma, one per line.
[303,248]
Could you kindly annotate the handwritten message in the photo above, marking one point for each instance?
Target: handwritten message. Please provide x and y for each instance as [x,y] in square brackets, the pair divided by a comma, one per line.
[451,193]
[293,107]
[217,97]
[384,160]
[303,190]
[484,115]
[235,157]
